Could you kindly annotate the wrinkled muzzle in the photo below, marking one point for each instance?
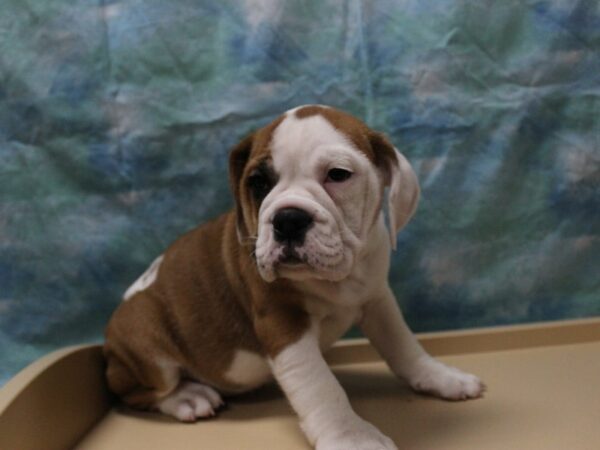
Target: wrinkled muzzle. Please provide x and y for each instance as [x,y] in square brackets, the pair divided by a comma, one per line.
[300,239]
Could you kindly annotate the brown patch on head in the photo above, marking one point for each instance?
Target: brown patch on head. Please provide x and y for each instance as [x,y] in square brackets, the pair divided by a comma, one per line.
[374,145]
[245,158]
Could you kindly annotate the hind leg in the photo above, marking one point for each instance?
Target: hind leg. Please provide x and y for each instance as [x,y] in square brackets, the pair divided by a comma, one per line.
[146,369]
[162,389]
[140,383]
[190,401]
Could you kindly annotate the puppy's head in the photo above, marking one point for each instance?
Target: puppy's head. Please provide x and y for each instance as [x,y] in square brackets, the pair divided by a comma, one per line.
[309,187]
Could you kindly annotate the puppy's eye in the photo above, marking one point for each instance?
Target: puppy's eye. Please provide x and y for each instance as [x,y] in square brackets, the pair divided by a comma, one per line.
[260,185]
[338,175]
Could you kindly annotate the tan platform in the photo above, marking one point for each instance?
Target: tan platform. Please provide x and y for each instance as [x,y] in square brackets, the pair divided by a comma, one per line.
[543,393]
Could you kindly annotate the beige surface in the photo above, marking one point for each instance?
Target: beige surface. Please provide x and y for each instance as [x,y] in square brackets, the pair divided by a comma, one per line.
[53,402]
[544,398]
[543,380]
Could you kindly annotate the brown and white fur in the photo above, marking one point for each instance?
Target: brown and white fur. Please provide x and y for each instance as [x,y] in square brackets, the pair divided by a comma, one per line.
[229,307]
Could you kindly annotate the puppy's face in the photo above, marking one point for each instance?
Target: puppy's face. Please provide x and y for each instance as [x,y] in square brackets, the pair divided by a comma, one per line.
[309,188]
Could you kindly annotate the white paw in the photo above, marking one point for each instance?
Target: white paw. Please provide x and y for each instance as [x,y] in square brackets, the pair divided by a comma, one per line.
[433,377]
[191,401]
[355,434]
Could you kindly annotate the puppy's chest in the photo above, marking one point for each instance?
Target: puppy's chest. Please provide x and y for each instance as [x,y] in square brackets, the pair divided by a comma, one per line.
[334,312]
[333,326]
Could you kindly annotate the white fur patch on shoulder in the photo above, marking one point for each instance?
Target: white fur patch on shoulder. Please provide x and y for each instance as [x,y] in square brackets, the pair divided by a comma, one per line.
[147,278]
[248,369]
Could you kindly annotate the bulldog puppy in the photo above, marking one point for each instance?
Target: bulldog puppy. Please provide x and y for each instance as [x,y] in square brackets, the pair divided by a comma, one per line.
[262,291]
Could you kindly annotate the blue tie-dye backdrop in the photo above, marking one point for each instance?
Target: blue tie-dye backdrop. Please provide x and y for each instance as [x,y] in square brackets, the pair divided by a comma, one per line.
[116,118]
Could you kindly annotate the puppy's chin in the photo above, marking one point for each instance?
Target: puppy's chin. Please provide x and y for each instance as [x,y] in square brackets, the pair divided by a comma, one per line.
[314,260]
[298,271]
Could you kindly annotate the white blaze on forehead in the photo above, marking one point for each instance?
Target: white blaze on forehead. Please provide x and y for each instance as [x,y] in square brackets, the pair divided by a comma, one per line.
[147,278]
[295,140]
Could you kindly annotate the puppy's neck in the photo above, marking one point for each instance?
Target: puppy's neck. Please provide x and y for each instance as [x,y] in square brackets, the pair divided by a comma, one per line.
[369,272]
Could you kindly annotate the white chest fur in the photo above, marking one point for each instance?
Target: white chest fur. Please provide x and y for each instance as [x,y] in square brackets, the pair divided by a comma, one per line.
[336,306]
[333,306]
[248,369]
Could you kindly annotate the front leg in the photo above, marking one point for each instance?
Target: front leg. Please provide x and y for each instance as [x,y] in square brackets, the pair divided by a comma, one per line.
[326,417]
[385,327]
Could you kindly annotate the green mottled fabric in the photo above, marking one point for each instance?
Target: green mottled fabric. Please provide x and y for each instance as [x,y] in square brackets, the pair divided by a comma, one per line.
[116,118]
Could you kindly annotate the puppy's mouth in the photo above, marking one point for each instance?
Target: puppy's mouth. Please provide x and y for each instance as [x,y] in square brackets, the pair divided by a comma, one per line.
[290,257]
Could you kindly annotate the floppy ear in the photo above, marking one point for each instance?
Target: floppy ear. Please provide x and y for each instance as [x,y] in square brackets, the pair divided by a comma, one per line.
[237,162]
[399,176]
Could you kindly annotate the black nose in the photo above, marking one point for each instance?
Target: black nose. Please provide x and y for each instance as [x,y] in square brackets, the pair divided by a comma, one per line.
[291,225]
